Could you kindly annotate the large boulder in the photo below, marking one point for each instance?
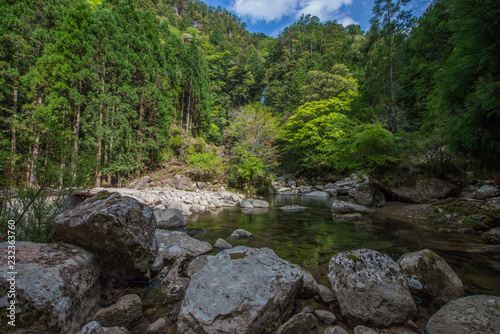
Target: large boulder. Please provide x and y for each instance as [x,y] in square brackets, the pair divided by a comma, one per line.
[430,277]
[169,218]
[370,288]
[468,315]
[486,191]
[173,245]
[416,189]
[368,194]
[492,207]
[240,290]
[344,207]
[56,286]
[120,230]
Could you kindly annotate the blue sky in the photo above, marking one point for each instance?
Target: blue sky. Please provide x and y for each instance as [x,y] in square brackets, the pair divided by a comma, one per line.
[272,16]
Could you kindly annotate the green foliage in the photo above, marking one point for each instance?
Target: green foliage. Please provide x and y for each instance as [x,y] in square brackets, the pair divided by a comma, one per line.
[374,146]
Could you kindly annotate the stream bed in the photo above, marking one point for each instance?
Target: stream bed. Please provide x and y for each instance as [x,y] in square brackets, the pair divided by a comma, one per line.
[310,238]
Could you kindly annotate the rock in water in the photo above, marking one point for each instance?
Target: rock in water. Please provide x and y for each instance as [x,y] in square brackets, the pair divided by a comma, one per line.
[222,244]
[169,218]
[240,290]
[57,287]
[368,194]
[240,234]
[468,315]
[430,277]
[370,288]
[119,229]
[260,204]
[343,207]
[293,208]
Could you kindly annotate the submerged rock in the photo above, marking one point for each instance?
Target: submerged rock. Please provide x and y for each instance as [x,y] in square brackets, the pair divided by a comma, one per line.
[318,194]
[370,288]
[57,287]
[240,290]
[468,315]
[121,230]
[293,208]
[430,277]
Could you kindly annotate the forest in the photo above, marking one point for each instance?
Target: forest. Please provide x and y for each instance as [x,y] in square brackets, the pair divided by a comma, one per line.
[96,93]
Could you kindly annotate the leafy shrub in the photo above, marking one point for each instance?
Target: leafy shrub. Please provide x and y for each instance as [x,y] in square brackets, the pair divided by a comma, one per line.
[374,146]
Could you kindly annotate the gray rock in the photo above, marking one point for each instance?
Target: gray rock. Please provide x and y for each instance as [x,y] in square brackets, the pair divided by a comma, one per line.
[117,228]
[468,315]
[329,186]
[327,295]
[173,245]
[246,204]
[304,189]
[331,192]
[293,208]
[240,234]
[196,265]
[492,207]
[235,198]
[222,244]
[343,207]
[57,287]
[492,236]
[216,202]
[419,190]
[365,330]
[303,323]
[141,183]
[174,284]
[309,285]
[195,208]
[347,217]
[160,326]
[430,277]
[169,218]
[334,330]
[240,290]
[325,317]
[487,191]
[260,204]
[180,182]
[94,327]
[318,194]
[307,309]
[368,194]
[125,312]
[370,289]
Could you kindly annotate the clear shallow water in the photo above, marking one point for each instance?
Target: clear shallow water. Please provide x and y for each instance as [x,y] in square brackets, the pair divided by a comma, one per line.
[310,238]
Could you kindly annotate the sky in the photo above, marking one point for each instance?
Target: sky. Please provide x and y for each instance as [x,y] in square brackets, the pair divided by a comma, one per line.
[272,16]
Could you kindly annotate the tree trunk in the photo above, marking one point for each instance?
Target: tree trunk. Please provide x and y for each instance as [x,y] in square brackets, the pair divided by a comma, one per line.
[98,173]
[13,136]
[394,127]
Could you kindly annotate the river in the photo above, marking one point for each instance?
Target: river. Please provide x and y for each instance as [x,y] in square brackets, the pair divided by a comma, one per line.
[310,238]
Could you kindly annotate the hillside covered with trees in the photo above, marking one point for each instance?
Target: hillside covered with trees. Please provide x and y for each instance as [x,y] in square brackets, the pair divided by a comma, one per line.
[95,92]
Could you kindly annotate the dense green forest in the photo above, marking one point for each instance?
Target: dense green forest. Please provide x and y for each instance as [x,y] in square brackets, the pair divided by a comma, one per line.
[94,92]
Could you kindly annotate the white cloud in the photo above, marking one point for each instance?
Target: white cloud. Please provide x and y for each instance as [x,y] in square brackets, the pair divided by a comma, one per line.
[346,20]
[268,10]
[271,10]
[324,9]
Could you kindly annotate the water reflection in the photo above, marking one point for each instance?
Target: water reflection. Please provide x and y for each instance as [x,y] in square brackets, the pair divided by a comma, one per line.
[311,237]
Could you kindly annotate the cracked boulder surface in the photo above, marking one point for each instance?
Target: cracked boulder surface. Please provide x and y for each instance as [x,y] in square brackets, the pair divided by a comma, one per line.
[240,290]
[57,287]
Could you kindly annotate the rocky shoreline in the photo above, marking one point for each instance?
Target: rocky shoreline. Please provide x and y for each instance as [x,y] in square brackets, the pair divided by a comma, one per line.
[121,236]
